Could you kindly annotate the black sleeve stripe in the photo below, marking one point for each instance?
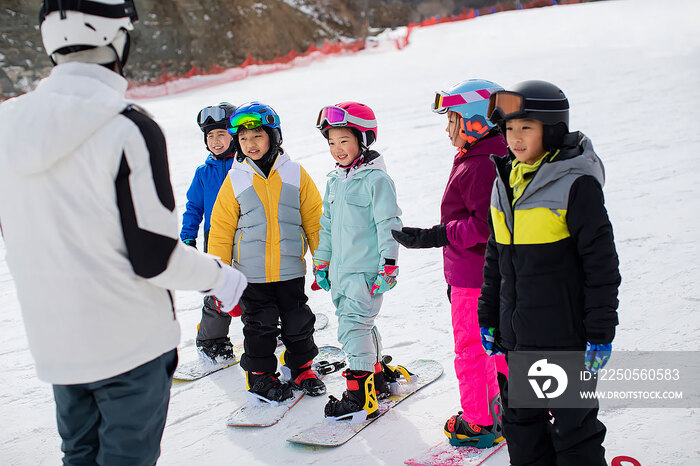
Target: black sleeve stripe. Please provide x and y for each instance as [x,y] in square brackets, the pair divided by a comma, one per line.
[155,143]
[148,252]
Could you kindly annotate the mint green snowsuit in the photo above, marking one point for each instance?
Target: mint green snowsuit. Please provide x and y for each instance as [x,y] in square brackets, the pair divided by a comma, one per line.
[359,212]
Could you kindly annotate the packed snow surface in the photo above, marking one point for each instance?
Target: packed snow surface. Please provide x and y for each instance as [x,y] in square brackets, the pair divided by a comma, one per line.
[631,71]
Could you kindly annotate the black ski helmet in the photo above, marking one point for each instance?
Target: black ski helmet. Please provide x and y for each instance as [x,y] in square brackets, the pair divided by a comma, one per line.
[536,100]
[216,117]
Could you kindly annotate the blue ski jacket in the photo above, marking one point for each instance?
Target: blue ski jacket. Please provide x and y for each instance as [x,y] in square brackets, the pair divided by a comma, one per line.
[201,196]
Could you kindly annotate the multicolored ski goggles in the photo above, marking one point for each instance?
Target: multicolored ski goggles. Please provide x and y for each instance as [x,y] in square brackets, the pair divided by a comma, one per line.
[211,115]
[443,100]
[336,116]
[252,121]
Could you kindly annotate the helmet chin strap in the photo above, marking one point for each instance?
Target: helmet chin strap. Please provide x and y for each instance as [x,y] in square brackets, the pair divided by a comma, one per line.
[227,153]
[119,68]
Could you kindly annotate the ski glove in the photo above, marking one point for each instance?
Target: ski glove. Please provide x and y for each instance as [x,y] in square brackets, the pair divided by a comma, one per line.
[419,238]
[386,279]
[597,355]
[488,341]
[321,275]
[230,291]
[235,312]
[190,242]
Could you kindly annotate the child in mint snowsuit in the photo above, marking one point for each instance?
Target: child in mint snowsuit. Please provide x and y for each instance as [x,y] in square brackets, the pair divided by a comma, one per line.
[357,255]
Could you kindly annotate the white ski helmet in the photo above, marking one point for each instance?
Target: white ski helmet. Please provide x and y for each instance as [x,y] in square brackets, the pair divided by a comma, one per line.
[89,31]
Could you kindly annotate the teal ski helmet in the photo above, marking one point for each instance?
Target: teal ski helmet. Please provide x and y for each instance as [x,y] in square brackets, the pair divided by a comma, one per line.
[470,99]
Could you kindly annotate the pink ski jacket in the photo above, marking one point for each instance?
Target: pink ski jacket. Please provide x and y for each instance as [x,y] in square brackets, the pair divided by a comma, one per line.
[464,211]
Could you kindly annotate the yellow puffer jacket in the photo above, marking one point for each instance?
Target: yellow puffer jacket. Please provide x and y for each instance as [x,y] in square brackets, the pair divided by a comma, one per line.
[263,225]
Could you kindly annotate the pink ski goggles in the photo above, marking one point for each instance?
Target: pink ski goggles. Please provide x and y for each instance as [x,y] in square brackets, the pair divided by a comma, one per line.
[336,116]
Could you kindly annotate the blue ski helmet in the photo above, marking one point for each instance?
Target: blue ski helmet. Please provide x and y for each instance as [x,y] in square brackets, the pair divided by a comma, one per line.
[470,99]
[254,115]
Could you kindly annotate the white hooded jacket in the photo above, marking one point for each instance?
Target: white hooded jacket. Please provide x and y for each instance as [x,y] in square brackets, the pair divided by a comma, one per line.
[89,223]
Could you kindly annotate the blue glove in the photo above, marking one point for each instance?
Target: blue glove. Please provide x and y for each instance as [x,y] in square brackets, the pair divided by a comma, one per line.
[321,275]
[488,341]
[597,355]
[386,279]
[190,242]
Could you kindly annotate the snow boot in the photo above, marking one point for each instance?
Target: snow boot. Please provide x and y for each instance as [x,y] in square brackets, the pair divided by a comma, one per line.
[217,350]
[359,401]
[381,383]
[386,377]
[463,433]
[303,378]
[266,387]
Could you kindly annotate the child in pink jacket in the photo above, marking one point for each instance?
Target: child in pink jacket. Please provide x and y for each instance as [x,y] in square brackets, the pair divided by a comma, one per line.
[463,233]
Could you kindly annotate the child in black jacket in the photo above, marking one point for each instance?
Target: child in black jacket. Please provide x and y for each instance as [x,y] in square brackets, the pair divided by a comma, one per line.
[551,273]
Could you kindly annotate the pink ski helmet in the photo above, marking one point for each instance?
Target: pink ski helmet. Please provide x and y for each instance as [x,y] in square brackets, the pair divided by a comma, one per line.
[349,114]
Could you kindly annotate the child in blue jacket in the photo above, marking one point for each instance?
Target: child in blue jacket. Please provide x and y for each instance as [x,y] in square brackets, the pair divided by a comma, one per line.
[356,256]
[212,334]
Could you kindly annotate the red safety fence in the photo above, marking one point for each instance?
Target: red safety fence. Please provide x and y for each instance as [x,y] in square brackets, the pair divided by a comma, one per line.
[195,78]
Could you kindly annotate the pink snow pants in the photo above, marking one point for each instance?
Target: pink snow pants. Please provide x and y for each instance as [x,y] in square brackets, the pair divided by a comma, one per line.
[476,372]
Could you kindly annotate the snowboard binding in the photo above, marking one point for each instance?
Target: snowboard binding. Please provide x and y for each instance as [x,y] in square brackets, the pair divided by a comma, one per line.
[327,367]
[462,433]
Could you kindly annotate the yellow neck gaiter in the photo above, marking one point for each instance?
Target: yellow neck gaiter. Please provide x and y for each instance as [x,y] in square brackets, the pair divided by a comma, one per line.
[521,174]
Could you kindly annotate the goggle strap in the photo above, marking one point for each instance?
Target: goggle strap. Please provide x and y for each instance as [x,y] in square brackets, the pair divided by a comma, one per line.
[546,105]
[125,10]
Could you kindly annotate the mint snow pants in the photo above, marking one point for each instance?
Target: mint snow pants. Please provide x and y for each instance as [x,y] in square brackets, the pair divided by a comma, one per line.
[476,371]
[356,310]
[116,421]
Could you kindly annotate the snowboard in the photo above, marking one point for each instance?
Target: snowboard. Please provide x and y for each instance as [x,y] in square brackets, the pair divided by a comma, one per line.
[193,365]
[330,433]
[445,454]
[198,365]
[330,359]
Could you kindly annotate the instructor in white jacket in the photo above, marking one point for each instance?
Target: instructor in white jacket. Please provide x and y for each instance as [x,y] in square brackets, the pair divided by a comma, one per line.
[88,218]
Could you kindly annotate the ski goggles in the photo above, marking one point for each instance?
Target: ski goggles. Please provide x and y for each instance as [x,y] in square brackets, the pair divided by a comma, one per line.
[443,100]
[336,116]
[211,115]
[505,105]
[252,121]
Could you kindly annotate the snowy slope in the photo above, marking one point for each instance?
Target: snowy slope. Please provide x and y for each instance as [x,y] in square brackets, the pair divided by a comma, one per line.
[630,69]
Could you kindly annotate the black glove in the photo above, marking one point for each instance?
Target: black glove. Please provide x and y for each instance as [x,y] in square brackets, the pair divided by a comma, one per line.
[190,242]
[419,238]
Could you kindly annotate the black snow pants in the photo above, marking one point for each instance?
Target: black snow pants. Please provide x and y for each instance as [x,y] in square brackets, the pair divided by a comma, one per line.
[552,436]
[265,305]
[214,324]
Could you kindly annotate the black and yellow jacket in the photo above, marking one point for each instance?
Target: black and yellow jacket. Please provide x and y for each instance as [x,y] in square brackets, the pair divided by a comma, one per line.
[551,273]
